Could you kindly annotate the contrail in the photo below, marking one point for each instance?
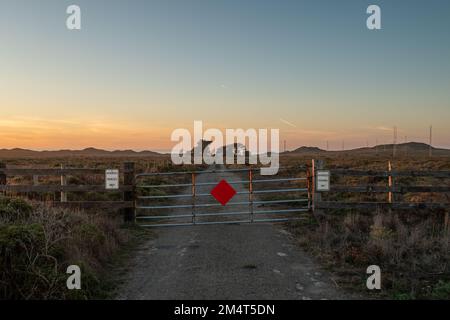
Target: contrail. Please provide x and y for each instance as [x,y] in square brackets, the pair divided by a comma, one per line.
[288,123]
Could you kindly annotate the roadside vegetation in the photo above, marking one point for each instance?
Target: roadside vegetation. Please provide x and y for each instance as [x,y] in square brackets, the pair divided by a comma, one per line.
[38,243]
[412,247]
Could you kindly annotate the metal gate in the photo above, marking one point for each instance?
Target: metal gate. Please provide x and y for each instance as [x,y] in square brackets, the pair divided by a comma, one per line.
[185,198]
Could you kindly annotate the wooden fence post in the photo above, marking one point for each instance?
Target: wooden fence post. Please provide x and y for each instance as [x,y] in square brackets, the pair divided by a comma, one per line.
[129,180]
[2,175]
[390,183]
[309,186]
[313,183]
[63,183]
[250,192]
[193,197]
[317,196]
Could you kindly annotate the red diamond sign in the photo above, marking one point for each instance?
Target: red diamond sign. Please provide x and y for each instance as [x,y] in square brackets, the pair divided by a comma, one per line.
[223,192]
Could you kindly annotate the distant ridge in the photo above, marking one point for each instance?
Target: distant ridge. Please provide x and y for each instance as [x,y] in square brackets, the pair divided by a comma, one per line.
[305,149]
[410,147]
[88,152]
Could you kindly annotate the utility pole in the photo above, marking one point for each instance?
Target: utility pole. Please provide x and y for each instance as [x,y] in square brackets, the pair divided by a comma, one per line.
[406,146]
[394,145]
[376,146]
[328,146]
[284,145]
[430,151]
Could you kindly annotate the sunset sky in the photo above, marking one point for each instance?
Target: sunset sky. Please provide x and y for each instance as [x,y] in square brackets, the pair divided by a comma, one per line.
[139,69]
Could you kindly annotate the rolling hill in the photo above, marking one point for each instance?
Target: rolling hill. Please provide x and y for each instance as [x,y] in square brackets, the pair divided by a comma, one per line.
[402,148]
[88,152]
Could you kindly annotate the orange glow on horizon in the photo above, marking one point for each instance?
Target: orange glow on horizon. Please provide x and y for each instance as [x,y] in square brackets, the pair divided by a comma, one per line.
[40,134]
[57,134]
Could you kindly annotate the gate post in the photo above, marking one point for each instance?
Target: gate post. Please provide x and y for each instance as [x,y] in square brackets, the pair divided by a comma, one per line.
[390,183]
[129,180]
[317,196]
[250,193]
[2,175]
[193,197]
[308,186]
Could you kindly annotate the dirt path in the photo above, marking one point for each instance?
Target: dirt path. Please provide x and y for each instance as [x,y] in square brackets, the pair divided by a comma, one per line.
[247,261]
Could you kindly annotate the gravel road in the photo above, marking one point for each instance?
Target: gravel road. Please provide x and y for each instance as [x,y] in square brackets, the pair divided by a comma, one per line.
[236,261]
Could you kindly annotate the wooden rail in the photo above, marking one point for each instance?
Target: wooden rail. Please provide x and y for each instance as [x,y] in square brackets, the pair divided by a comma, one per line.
[49,171]
[385,189]
[61,188]
[393,173]
[391,189]
[126,188]
[316,202]
[97,204]
[374,205]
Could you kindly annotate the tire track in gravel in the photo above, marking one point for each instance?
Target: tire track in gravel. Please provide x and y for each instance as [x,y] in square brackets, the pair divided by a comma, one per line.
[235,261]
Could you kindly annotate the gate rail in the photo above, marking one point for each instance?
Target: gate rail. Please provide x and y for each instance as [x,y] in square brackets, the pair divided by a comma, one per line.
[132,201]
[194,214]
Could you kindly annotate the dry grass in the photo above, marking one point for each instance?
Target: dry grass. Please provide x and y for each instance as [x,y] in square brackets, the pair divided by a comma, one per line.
[37,243]
[411,247]
[412,250]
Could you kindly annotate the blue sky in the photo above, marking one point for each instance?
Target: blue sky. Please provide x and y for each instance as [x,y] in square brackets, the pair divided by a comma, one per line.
[139,69]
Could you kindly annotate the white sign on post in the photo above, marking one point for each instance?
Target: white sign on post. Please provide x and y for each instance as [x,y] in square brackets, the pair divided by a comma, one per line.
[323,180]
[112,179]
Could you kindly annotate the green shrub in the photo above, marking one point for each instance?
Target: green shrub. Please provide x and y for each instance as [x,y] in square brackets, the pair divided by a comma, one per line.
[38,243]
[14,209]
[441,290]
[25,267]
[403,296]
